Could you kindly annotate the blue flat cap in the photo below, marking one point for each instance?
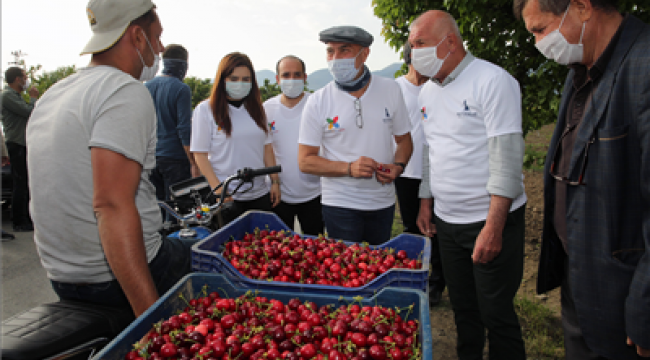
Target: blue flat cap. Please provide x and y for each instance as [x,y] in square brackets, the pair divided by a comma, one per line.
[346,34]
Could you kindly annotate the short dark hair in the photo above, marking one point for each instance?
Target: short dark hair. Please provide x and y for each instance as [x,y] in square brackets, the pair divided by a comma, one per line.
[175,51]
[277,66]
[406,54]
[145,20]
[12,73]
[558,7]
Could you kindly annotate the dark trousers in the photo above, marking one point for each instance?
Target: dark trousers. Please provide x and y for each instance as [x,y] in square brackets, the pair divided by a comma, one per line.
[310,215]
[574,342]
[482,294]
[409,206]
[409,202]
[168,172]
[371,226]
[20,195]
[172,262]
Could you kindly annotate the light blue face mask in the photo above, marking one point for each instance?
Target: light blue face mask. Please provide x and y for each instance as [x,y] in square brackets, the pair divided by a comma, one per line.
[343,70]
[238,90]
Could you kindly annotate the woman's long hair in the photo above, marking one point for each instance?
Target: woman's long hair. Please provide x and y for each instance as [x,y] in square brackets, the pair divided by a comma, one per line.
[218,96]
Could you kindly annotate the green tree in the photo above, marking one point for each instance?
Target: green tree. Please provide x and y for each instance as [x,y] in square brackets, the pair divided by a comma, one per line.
[269,90]
[491,32]
[200,89]
[48,78]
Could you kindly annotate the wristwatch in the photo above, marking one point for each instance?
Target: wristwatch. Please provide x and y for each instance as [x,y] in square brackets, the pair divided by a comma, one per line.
[275,182]
[401,164]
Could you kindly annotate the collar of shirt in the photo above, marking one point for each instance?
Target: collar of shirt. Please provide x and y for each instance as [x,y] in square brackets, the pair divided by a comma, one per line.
[600,65]
[454,74]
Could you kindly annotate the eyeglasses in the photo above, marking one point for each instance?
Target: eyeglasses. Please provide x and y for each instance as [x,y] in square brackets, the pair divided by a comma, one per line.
[357,107]
[583,167]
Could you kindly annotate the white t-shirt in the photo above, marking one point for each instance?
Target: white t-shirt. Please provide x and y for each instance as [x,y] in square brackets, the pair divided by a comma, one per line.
[96,107]
[411,92]
[482,102]
[284,125]
[329,121]
[227,154]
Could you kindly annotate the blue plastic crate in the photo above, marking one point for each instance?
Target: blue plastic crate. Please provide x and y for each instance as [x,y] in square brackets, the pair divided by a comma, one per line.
[190,286]
[206,257]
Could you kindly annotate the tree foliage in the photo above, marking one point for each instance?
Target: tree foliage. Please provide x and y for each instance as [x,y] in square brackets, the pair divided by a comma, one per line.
[200,89]
[48,78]
[269,90]
[491,32]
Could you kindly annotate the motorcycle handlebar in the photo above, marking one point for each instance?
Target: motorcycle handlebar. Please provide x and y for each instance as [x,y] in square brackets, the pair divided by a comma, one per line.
[248,173]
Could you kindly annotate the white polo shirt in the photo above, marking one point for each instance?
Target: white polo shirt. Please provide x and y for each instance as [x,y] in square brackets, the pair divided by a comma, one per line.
[484,101]
[243,148]
[329,121]
[284,125]
[411,92]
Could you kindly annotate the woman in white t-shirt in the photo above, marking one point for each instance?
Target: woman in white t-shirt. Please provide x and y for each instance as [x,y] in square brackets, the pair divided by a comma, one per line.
[229,133]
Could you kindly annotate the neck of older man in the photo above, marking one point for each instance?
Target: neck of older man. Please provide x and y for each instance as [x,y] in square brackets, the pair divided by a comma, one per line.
[453,60]
[604,25]
[357,94]
[120,56]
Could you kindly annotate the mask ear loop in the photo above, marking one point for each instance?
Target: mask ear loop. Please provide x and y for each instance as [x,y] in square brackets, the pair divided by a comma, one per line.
[564,17]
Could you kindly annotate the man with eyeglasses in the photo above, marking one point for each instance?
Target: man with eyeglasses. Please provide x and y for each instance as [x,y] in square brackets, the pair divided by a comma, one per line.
[346,137]
[596,232]
[471,118]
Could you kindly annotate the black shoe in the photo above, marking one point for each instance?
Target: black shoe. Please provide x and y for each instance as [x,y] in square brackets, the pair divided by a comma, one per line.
[23,228]
[434,298]
[7,236]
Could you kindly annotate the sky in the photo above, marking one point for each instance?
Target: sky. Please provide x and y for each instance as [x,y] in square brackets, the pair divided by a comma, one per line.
[53,32]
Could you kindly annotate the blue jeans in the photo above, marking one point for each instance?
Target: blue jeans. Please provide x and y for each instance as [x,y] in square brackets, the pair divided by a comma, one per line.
[371,226]
[172,262]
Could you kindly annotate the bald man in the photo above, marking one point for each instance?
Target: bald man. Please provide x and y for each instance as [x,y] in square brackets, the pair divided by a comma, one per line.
[471,117]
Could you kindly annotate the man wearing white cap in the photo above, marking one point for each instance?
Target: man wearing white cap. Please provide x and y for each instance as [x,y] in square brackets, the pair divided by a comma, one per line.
[346,137]
[91,146]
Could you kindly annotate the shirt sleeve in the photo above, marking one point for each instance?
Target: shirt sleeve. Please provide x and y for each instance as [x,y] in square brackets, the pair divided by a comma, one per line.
[184,114]
[506,157]
[202,123]
[13,102]
[501,99]
[311,131]
[401,118]
[126,122]
[425,186]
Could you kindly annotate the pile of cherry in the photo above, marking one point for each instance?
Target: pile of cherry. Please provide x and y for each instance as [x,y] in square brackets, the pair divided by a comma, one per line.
[282,256]
[256,328]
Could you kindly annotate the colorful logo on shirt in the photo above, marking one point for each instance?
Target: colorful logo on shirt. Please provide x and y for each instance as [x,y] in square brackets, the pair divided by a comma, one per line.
[424,113]
[466,110]
[272,126]
[333,123]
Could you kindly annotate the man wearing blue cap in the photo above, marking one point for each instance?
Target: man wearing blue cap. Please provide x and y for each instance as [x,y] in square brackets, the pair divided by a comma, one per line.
[346,137]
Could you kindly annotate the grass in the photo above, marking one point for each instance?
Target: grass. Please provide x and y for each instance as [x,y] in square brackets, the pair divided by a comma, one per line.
[542,330]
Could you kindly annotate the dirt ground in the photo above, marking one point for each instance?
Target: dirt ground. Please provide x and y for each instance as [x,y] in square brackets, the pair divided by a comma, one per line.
[442,318]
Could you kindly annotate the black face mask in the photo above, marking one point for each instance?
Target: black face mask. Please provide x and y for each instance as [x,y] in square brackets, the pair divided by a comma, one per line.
[174,67]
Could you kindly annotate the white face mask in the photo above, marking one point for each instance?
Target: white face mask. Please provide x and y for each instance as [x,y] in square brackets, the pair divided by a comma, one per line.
[149,72]
[292,88]
[238,90]
[556,47]
[26,85]
[425,60]
[343,70]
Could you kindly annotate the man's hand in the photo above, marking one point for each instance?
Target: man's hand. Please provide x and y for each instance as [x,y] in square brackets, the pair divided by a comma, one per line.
[639,350]
[33,92]
[363,167]
[275,194]
[5,160]
[195,171]
[387,173]
[488,245]
[424,221]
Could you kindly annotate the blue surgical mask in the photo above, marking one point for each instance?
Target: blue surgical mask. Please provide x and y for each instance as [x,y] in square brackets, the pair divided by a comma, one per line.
[343,70]
[238,90]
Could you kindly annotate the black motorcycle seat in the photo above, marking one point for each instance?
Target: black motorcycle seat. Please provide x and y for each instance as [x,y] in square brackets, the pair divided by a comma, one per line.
[54,328]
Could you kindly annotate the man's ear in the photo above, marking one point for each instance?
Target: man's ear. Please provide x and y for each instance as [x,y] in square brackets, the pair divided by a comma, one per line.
[585,9]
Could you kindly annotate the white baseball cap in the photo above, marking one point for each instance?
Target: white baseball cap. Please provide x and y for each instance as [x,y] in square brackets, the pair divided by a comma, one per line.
[109,20]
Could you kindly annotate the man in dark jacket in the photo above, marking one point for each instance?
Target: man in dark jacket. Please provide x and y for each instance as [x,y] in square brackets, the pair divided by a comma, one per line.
[596,232]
